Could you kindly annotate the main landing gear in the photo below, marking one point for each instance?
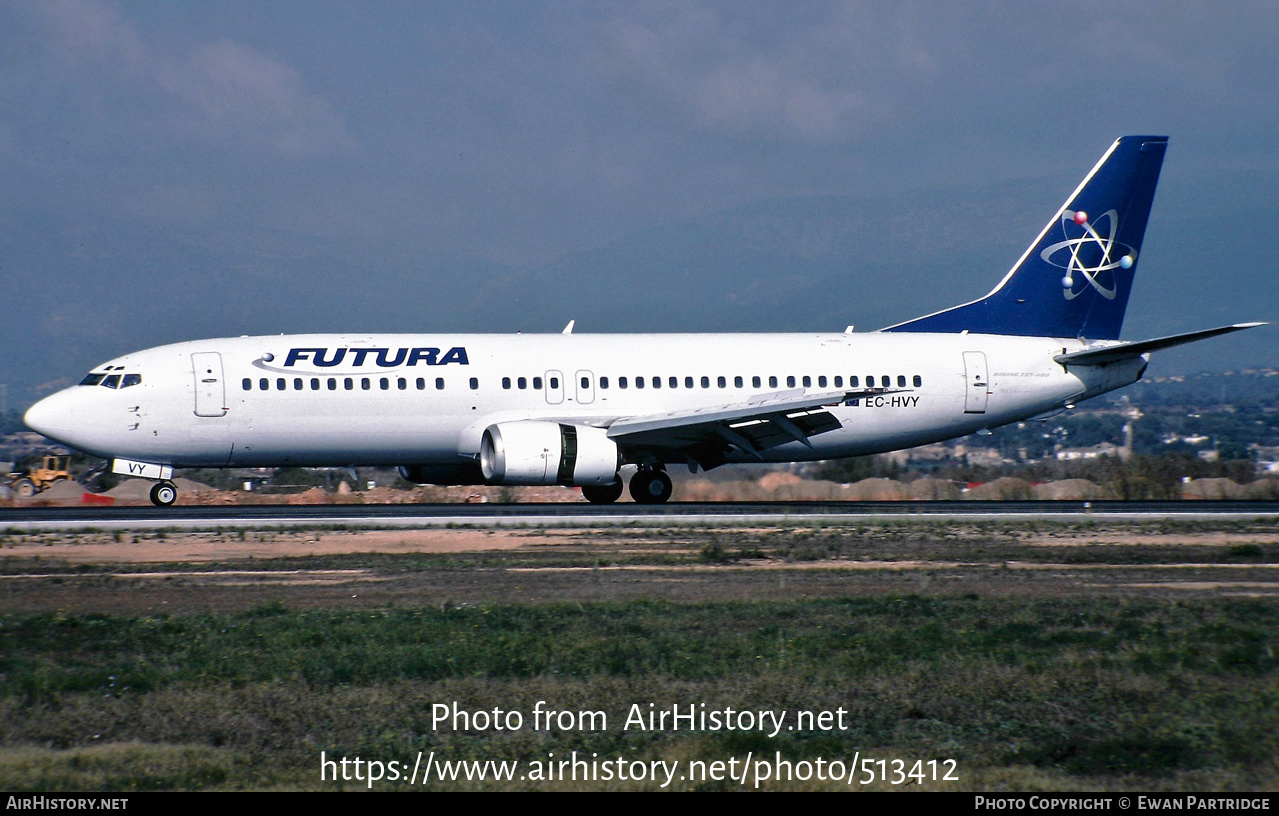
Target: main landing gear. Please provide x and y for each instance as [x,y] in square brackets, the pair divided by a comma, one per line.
[164,494]
[650,486]
[603,494]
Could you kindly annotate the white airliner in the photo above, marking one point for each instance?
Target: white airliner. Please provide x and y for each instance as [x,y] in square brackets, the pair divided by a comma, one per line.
[573,409]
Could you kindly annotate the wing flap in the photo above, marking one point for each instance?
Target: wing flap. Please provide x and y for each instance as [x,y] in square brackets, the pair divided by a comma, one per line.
[762,422]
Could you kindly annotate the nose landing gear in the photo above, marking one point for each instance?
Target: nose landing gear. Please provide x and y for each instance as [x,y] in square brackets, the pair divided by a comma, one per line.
[164,494]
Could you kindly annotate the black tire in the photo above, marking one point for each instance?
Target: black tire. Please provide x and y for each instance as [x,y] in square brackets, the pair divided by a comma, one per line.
[650,487]
[164,494]
[602,494]
[24,488]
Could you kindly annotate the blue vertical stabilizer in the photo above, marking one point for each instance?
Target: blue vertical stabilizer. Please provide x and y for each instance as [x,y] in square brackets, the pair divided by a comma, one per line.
[1074,280]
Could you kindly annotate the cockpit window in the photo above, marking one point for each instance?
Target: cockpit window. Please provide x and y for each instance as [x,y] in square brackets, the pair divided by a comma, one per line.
[130,379]
[92,379]
[112,381]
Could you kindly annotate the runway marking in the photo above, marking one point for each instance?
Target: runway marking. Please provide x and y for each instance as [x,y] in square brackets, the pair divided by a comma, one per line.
[537,522]
[833,564]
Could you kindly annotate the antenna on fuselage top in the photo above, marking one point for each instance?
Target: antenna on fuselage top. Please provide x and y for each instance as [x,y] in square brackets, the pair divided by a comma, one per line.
[569,328]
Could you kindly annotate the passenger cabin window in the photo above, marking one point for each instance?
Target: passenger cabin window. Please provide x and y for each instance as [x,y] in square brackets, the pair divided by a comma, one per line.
[621,382]
[639,382]
[315,383]
[384,384]
[401,383]
[772,382]
[537,383]
[281,384]
[674,382]
[365,384]
[475,384]
[421,383]
[603,382]
[790,382]
[688,382]
[885,381]
[852,381]
[264,384]
[657,382]
[808,381]
[297,383]
[333,383]
[506,383]
[737,382]
[522,383]
[918,381]
[839,382]
[439,383]
[247,384]
[586,382]
[901,381]
[348,383]
[555,382]
[755,382]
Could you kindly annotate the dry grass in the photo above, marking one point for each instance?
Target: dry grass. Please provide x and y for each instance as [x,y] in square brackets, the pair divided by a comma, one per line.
[1041,657]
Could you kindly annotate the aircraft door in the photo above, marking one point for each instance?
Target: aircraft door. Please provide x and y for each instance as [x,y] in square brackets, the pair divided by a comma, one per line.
[978,383]
[585,387]
[554,387]
[210,390]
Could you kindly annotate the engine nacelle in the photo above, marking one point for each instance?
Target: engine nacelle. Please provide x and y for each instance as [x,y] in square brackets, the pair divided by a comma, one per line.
[532,452]
[467,473]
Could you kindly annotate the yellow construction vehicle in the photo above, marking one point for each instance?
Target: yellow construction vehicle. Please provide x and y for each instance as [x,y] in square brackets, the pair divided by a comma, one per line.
[52,469]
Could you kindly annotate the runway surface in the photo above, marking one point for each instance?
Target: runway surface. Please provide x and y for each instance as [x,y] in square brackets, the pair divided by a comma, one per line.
[678,514]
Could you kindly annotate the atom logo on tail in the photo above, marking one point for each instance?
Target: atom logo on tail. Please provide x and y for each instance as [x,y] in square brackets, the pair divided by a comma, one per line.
[1089,258]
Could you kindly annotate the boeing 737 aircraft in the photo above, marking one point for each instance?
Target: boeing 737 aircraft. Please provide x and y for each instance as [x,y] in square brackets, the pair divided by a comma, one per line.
[574,409]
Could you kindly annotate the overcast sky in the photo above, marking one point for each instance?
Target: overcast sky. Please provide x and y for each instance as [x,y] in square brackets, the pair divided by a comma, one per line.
[519,132]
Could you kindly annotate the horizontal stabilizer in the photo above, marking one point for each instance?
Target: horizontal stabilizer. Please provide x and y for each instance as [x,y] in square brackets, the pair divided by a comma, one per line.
[1125,351]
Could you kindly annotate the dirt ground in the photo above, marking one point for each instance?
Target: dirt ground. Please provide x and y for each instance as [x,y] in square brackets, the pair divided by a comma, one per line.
[148,573]
[104,548]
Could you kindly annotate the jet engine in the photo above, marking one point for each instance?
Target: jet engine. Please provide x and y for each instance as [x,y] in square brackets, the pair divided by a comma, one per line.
[532,452]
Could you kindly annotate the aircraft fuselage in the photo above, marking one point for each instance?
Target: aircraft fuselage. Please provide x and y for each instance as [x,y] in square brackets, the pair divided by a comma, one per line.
[338,400]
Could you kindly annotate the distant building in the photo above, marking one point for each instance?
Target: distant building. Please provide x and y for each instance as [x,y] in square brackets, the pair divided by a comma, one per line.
[1093,452]
[1266,458]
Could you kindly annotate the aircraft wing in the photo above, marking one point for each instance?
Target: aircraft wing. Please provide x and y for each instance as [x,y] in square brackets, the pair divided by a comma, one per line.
[1123,351]
[764,421]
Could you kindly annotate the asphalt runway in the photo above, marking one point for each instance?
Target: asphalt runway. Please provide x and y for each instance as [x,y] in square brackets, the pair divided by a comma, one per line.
[675,514]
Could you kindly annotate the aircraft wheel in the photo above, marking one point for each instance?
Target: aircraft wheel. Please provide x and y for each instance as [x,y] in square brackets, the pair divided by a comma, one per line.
[164,494]
[602,494]
[25,488]
[650,487]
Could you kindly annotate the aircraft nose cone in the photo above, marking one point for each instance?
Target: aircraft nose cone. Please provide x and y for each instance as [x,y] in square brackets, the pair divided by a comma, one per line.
[52,416]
